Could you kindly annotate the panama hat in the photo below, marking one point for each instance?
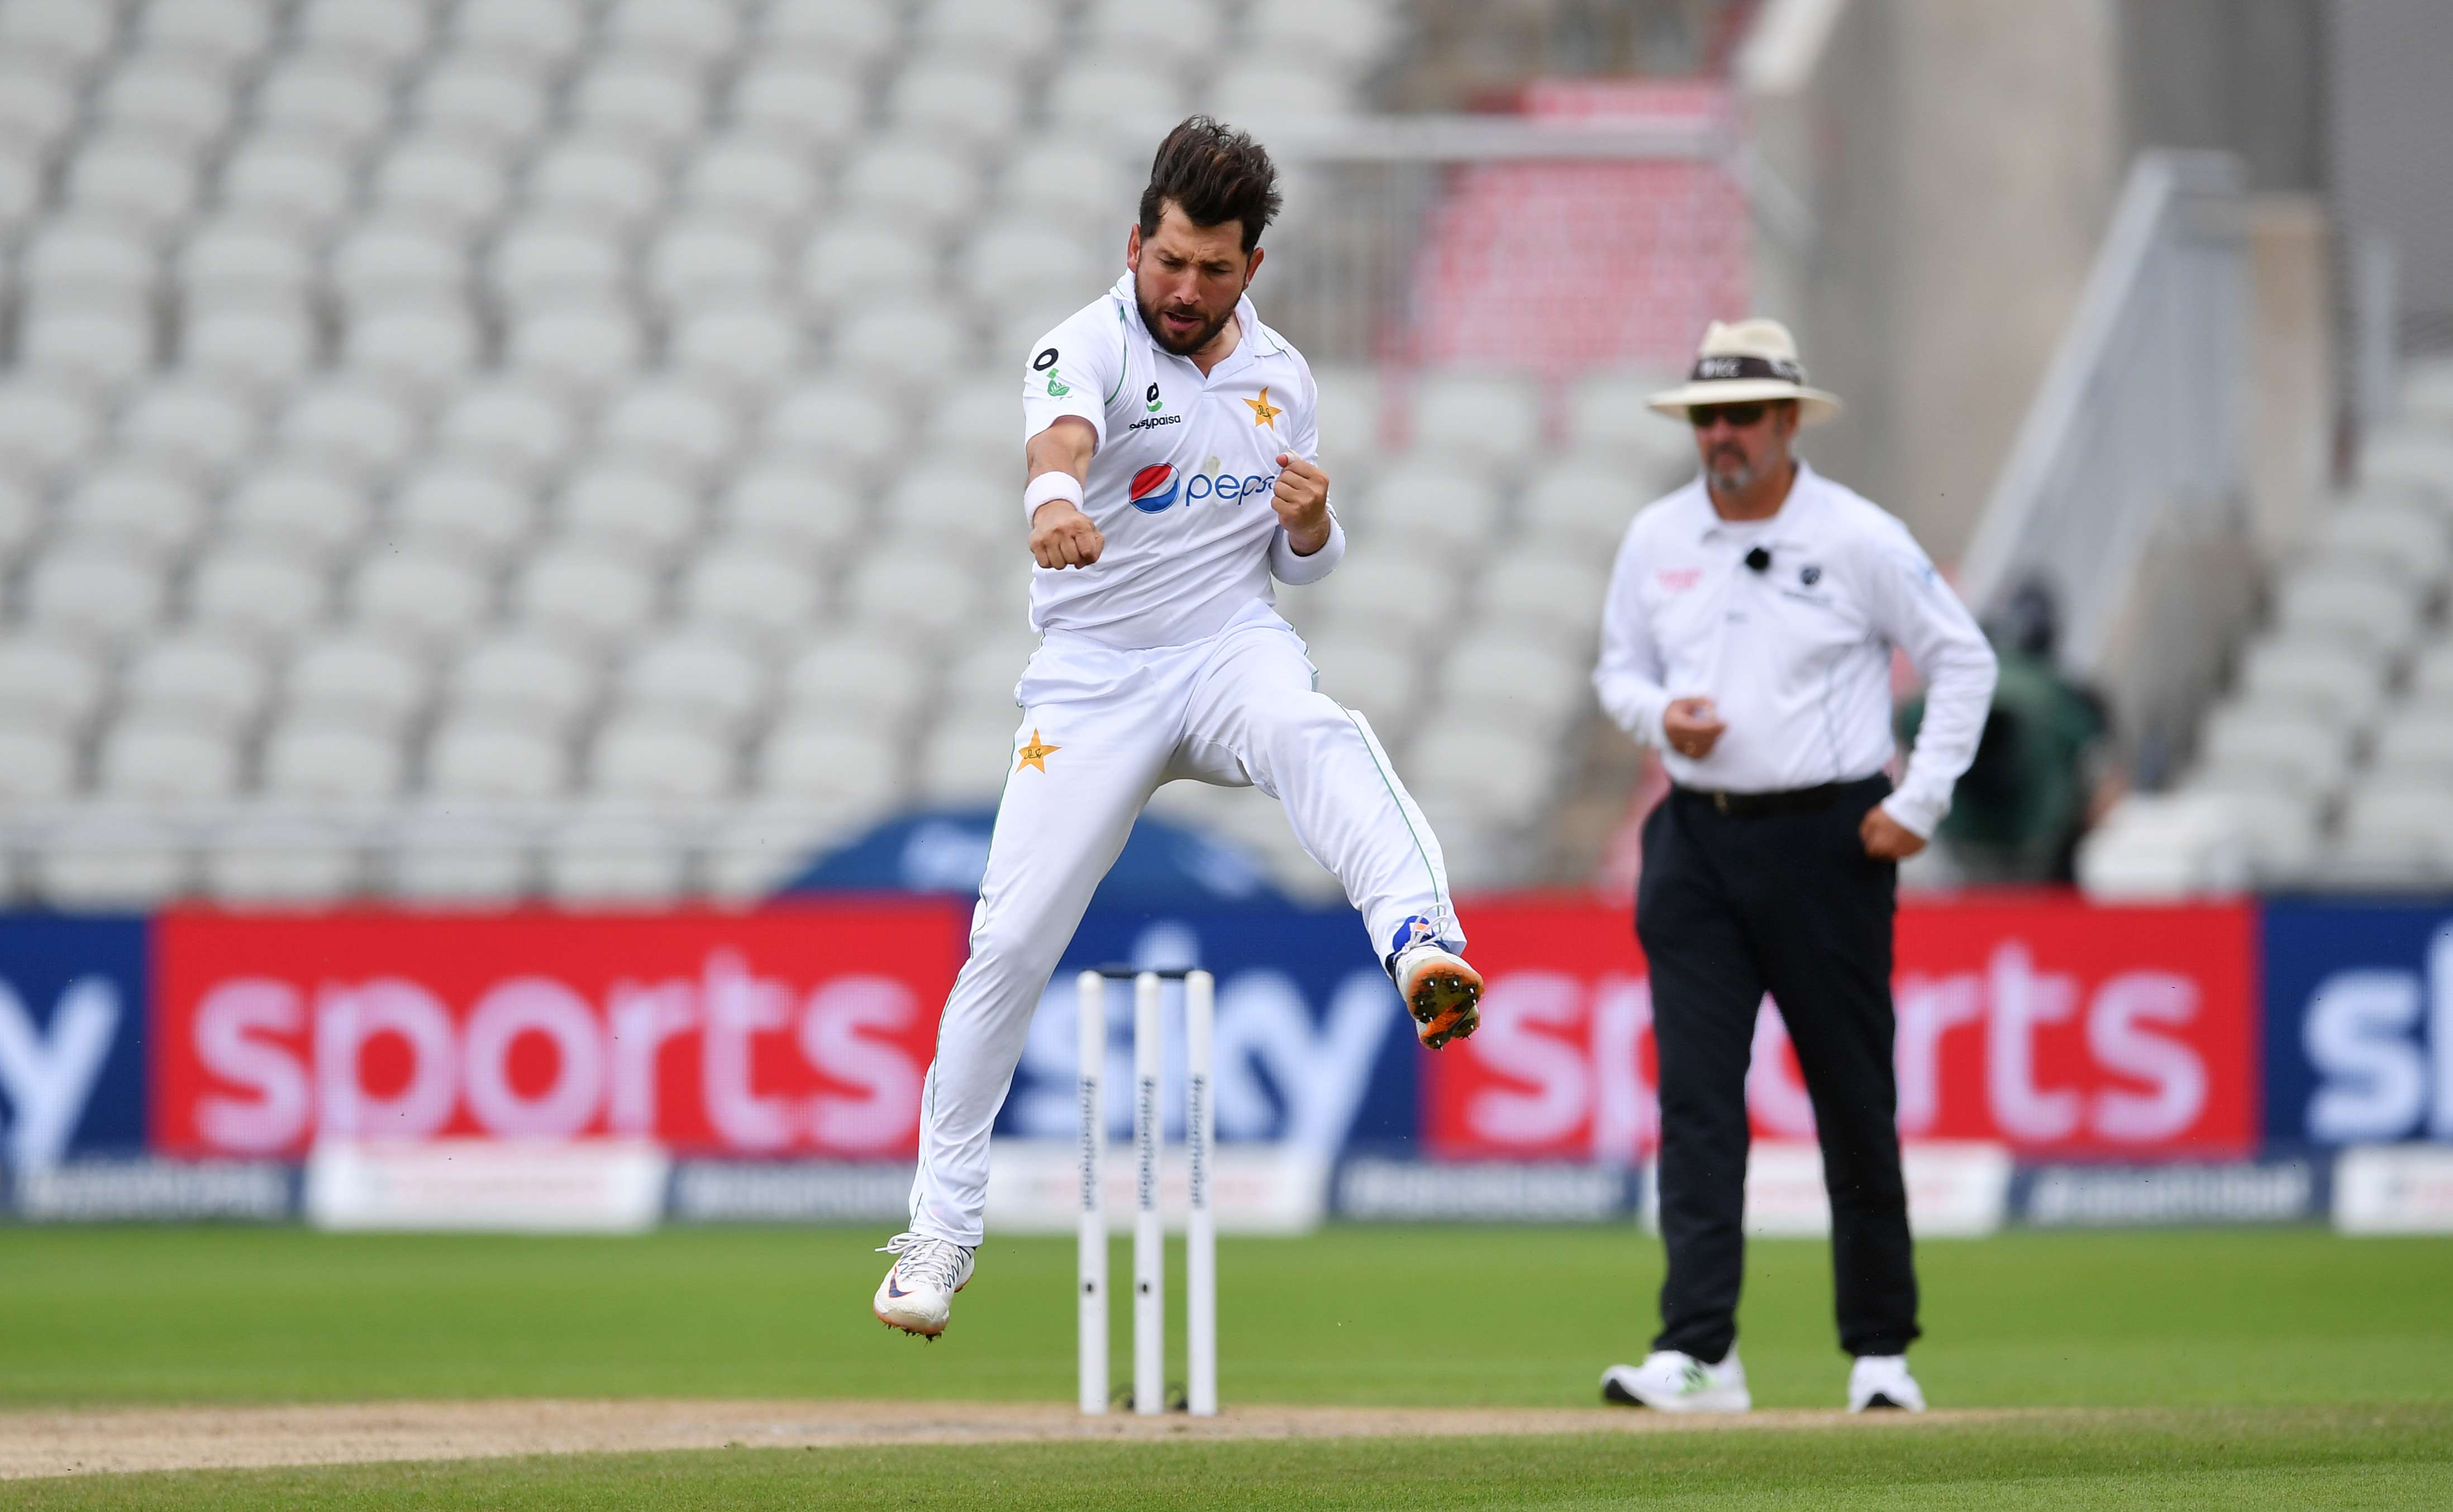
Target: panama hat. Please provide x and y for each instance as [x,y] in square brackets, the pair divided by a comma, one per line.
[1747,361]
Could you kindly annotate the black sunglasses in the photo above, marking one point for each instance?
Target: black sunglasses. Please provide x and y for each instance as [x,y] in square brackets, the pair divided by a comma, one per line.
[1738,416]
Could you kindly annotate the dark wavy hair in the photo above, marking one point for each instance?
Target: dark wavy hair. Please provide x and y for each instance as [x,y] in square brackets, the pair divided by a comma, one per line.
[1214,174]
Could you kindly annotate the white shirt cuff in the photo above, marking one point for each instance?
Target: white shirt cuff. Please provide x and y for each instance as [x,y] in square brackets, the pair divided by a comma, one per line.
[1916,815]
[1296,570]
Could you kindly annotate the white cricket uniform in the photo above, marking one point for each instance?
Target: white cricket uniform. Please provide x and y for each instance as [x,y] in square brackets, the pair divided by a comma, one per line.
[1163,660]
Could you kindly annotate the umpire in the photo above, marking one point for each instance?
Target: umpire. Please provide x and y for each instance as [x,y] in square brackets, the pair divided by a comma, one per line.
[1748,634]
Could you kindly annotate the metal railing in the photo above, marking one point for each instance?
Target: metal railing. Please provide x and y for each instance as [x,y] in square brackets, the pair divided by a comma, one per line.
[2142,420]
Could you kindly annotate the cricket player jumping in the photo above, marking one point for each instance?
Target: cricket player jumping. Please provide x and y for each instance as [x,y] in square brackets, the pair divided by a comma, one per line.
[1172,450]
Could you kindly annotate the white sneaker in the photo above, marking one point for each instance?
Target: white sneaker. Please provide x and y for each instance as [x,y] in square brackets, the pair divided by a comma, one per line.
[1440,991]
[1670,1381]
[917,1295]
[1876,1381]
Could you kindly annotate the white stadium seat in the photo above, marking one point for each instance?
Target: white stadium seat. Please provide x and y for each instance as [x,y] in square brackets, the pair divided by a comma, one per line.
[614,856]
[1115,90]
[696,678]
[1071,181]
[965,99]
[1021,30]
[856,30]
[914,180]
[1500,776]
[674,423]
[299,508]
[860,679]
[36,766]
[839,422]
[2414,748]
[354,428]
[453,858]
[525,678]
[180,98]
[482,98]
[558,261]
[337,101]
[1360,671]
[256,593]
[92,594]
[21,183]
[419,349]
[2414,458]
[2394,535]
[960,504]
[655,759]
[702,32]
[844,266]
[20,517]
[749,350]
[235,258]
[1555,596]
[130,177]
[72,34]
[439,179]
[792,508]
[475,758]
[85,257]
[639,95]
[588,595]
[2431,676]
[750,593]
[915,343]
[982,679]
[1483,416]
[910,589]
[753,178]
[2394,836]
[520,430]
[1011,257]
[388,32]
[362,681]
[583,350]
[297,178]
[130,506]
[48,684]
[1581,504]
[602,181]
[263,347]
[639,512]
[966,759]
[2323,674]
[423,597]
[281,861]
[166,761]
[1344,32]
[973,425]
[1265,87]
[462,507]
[696,261]
[113,859]
[45,430]
[37,104]
[313,757]
[1607,415]
[198,427]
[2286,746]
[2364,609]
[1403,599]
[534,33]
[1136,29]
[1421,498]
[825,759]
[220,33]
[1536,684]
[397,262]
[806,106]
[96,346]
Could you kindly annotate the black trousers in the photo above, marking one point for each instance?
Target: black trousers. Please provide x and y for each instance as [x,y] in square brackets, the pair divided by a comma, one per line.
[1730,906]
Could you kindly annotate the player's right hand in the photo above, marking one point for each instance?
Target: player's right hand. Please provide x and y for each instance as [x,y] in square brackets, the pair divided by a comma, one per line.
[1062,536]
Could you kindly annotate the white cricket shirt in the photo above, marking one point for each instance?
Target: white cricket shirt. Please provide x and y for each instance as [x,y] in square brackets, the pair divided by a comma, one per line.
[1797,657]
[1180,484]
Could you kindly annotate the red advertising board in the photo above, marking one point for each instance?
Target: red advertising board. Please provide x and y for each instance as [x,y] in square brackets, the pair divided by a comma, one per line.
[787,1031]
[2053,1025]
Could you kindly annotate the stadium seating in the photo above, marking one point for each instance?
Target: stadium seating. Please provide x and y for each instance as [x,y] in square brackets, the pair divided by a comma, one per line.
[2327,764]
[469,450]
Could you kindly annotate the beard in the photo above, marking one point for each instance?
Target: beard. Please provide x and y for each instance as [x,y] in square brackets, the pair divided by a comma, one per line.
[1185,347]
[1730,472]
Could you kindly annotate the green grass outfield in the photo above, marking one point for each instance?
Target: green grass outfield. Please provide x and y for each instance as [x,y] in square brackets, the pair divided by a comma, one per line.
[2288,1366]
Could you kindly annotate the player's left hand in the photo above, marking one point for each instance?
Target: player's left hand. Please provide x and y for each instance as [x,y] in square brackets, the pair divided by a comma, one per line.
[1885,837]
[1301,499]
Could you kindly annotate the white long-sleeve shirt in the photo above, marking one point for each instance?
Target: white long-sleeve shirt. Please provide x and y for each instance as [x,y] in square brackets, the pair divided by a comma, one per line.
[1797,657]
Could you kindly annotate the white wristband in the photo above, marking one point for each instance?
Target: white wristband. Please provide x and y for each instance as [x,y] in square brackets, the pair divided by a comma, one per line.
[1049,486]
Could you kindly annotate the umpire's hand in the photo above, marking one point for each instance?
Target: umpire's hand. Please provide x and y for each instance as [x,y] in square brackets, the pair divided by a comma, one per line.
[1691,727]
[1885,837]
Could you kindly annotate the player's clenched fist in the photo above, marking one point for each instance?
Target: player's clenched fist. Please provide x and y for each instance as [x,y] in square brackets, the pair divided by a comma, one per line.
[1062,536]
[1302,502]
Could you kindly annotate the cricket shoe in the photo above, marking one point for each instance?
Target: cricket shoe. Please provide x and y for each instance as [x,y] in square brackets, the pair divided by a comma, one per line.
[1440,991]
[1670,1381]
[917,1295]
[1880,1381]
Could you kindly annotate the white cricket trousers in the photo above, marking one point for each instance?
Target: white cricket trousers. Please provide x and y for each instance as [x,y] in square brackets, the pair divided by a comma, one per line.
[1101,730]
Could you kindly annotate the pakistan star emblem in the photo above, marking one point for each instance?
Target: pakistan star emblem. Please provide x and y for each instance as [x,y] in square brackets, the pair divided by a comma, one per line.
[1264,412]
[1036,753]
